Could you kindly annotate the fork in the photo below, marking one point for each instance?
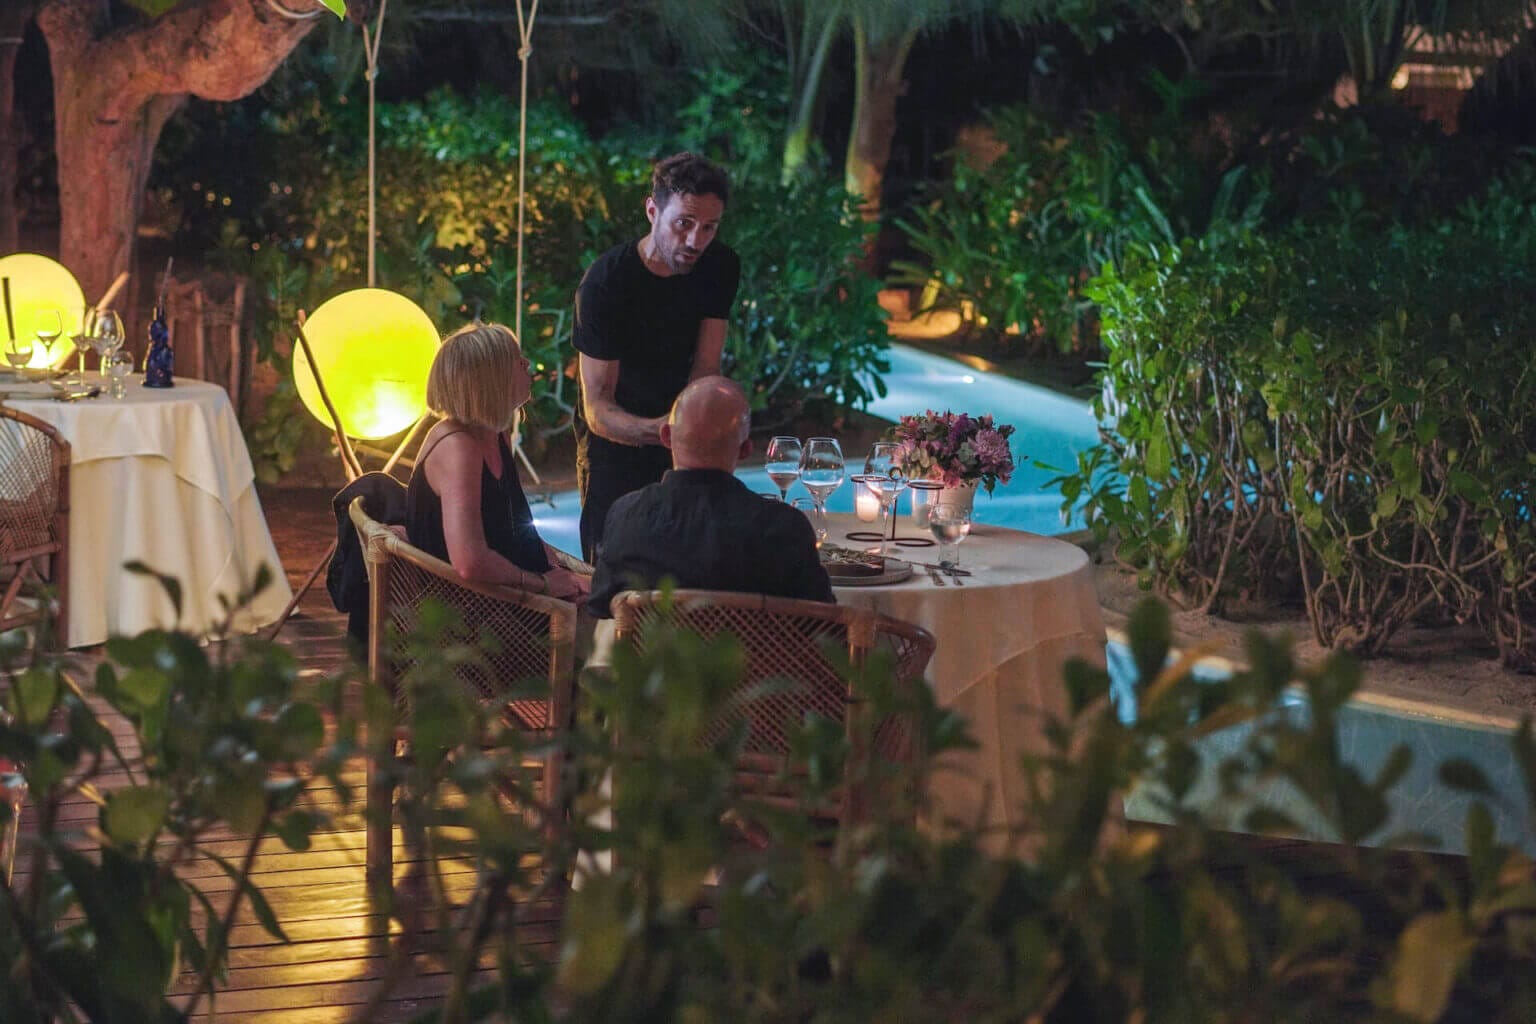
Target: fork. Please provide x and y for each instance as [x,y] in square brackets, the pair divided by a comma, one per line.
[936,576]
[956,577]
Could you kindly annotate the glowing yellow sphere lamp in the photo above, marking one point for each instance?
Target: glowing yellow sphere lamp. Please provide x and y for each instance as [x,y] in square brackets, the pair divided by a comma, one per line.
[373,349]
[41,286]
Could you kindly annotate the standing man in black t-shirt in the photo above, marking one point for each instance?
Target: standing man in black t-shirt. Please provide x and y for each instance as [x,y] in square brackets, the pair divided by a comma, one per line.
[650,317]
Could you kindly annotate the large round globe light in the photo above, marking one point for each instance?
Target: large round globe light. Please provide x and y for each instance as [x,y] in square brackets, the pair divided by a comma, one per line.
[40,285]
[374,349]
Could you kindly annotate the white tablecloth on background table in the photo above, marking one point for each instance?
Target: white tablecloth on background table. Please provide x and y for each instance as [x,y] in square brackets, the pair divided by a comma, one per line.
[161,476]
[1003,638]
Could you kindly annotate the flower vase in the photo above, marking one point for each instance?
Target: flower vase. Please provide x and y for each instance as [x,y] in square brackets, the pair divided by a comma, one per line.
[962,497]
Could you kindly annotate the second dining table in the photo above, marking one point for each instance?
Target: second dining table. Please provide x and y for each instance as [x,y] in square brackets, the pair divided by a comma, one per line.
[162,477]
[1005,634]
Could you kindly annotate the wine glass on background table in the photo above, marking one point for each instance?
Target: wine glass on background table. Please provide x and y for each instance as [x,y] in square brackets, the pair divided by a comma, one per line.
[108,336]
[18,352]
[782,462]
[821,471]
[949,525]
[883,474]
[50,324]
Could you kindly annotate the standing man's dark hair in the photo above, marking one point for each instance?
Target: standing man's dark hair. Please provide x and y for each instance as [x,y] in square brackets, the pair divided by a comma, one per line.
[650,316]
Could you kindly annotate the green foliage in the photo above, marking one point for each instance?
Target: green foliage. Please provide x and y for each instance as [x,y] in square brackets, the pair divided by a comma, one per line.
[1337,414]
[1085,919]
[1012,244]
[100,928]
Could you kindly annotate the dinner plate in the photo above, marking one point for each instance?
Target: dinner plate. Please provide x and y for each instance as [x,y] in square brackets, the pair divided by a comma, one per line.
[895,571]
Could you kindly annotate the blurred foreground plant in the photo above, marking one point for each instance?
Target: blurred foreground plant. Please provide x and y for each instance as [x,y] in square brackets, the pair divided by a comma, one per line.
[1091,920]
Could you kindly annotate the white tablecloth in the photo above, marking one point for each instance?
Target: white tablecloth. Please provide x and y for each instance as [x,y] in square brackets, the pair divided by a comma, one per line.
[161,476]
[1003,637]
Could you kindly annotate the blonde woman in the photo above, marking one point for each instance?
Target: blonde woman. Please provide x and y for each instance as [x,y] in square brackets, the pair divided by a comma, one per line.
[465,504]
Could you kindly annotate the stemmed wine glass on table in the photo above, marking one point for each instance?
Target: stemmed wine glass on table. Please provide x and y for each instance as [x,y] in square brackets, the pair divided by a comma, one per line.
[16,355]
[49,326]
[821,471]
[107,337]
[883,474]
[782,462]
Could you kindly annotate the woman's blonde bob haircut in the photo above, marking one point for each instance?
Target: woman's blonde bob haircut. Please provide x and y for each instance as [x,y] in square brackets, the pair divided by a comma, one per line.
[472,376]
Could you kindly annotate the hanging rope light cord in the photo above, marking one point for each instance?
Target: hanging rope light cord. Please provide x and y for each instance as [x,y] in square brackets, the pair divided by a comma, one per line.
[524,51]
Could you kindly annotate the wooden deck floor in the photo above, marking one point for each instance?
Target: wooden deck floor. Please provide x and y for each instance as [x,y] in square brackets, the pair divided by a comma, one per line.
[340,947]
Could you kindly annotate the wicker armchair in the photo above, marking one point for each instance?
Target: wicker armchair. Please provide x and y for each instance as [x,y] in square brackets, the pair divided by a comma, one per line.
[537,638]
[34,522]
[786,639]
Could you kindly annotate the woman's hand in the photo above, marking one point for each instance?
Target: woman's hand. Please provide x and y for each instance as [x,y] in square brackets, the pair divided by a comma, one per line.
[567,585]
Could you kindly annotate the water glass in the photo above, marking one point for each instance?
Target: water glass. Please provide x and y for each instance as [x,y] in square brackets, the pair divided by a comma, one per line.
[17,355]
[782,462]
[816,514]
[949,525]
[925,495]
[118,366]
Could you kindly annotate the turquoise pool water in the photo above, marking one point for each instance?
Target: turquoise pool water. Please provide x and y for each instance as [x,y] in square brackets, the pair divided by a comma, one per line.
[1052,429]
[1368,733]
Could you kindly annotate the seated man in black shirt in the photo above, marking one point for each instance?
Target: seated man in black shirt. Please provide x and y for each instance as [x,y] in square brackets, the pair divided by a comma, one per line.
[700,526]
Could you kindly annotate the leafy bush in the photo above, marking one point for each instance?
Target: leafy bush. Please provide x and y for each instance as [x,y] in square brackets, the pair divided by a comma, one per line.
[1339,415]
[879,922]
[1014,243]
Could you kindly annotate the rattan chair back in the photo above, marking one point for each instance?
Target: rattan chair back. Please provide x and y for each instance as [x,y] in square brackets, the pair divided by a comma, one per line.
[529,638]
[34,522]
[787,641]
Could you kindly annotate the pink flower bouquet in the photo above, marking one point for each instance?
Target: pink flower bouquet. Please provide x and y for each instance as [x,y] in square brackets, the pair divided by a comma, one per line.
[954,449]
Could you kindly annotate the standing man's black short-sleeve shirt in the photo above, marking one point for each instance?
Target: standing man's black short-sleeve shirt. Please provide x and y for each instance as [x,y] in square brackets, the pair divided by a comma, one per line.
[649,325]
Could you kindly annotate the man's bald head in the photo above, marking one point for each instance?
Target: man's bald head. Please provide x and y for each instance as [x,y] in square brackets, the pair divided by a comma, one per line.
[709,425]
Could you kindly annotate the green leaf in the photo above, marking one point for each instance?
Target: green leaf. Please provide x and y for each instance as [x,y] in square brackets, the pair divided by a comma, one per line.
[259,905]
[1148,630]
[135,814]
[336,7]
[170,584]
[153,8]
[1159,457]
[301,730]
[1463,775]
[1430,954]
[36,691]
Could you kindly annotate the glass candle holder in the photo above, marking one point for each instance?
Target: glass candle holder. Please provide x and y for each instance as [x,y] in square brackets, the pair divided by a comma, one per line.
[865,504]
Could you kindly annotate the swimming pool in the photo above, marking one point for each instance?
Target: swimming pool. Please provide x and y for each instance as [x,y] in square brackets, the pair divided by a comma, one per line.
[1368,730]
[1051,430]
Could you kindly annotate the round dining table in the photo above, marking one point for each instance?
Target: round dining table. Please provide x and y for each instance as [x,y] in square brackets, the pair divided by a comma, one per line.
[163,477]
[1005,633]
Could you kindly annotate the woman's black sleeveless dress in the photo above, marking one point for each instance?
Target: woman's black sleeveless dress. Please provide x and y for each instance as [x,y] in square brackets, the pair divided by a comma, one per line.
[504,513]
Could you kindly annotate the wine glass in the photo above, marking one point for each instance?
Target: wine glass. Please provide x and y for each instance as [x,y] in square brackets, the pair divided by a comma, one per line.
[949,524]
[118,366]
[48,327]
[885,476]
[821,471]
[783,463]
[107,337]
[17,356]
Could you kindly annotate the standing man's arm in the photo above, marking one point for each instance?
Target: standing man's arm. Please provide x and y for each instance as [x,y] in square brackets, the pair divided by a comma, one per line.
[710,348]
[599,381]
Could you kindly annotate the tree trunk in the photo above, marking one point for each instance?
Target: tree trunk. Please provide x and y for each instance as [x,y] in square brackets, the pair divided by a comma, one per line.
[115,88]
[14,18]
[878,63]
[805,88]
